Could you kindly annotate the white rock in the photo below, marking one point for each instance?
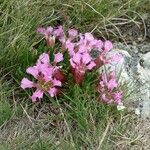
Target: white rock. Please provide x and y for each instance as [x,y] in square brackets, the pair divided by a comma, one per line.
[137,111]
[144,71]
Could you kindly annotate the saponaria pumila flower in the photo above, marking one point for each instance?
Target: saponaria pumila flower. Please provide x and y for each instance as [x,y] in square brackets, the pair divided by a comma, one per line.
[107,88]
[51,34]
[44,73]
[79,64]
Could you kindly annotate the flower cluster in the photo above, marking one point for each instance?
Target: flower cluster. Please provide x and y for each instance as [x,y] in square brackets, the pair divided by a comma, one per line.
[46,75]
[107,88]
[84,53]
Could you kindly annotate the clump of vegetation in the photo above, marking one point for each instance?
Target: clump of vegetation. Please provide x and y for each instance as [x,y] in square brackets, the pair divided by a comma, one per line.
[76,118]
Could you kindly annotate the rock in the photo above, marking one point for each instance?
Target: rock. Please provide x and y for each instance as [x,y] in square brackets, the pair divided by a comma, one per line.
[144,75]
[134,67]
[144,48]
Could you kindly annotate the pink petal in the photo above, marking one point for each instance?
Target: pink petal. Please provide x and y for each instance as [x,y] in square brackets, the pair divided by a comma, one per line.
[59,32]
[44,58]
[25,83]
[93,42]
[104,98]
[86,58]
[77,58]
[117,57]
[58,57]
[46,72]
[91,65]
[82,48]
[38,94]
[62,39]
[70,47]
[56,82]
[41,30]
[112,84]
[49,30]
[89,36]
[99,44]
[72,33]
[71,52]
[101,83]
[117,97]
[33,71]
[108,46]
[52,92]
[47,76]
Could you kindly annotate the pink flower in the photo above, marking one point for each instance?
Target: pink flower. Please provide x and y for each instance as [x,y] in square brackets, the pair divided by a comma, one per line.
[111,84]
[107,46]
[107,88]
[80,63]
[51,34]
[117,96]
[25,83]
[88,44]
[41,30]
[33,71]
[58,57]
[44,59]
[38,94]
[89,36]
[70,46]
[116,57]
[72,33]
[44,73]
[83,45]
[109,80]
[104,49]
[48,34]
[49,30]
[58,32]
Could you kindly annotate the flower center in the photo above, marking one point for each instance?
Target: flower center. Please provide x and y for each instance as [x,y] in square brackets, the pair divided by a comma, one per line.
[44,86]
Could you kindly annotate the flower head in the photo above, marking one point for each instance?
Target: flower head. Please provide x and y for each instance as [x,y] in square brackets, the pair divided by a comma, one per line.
[48,34]
[80,63]
[51,34]
[58,57]
[46,80]
[59,33]
[107,88]
[107,46]
[72,33]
